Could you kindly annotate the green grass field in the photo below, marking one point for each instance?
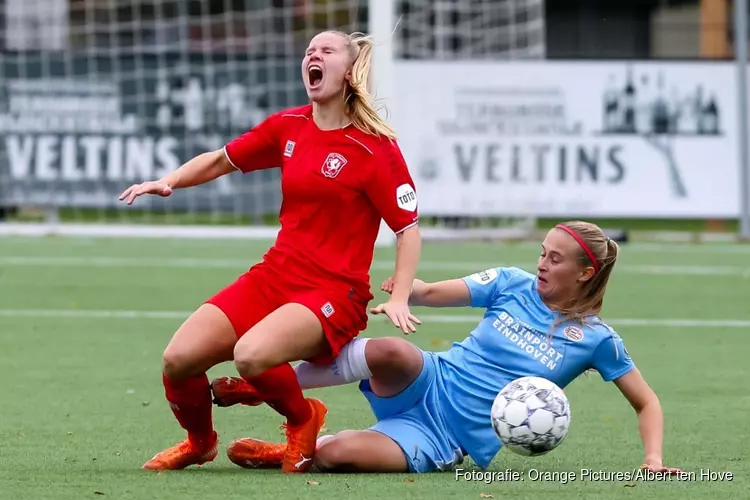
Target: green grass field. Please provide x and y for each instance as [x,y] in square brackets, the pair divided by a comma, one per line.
[83,324]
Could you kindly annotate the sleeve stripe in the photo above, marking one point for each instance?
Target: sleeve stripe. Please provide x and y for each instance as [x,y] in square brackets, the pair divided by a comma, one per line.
[407,227]
[230,160]
[358,142]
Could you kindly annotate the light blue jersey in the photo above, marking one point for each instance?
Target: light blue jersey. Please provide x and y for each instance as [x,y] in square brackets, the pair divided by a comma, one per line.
[511,341]
[445,413]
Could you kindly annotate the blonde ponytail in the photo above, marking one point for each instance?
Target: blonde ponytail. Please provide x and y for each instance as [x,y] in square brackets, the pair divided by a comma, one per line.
[591,298]
[360,106]
[606,251]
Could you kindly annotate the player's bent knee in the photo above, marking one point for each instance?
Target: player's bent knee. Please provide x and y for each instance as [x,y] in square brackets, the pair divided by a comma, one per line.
[249,361]
[336,453]
[176,363]
[392,354]
[179,362]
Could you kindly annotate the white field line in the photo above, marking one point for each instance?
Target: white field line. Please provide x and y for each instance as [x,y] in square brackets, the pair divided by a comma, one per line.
[690,248]
[88,234]
[240,264]
[426,318]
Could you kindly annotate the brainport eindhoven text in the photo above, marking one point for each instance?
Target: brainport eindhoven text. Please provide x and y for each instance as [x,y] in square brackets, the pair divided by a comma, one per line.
[589,475]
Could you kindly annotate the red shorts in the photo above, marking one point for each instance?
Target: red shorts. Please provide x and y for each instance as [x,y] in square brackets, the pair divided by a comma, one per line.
[260,291]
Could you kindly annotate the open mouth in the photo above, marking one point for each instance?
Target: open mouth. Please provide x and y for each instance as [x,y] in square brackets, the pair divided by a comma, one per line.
[315,75]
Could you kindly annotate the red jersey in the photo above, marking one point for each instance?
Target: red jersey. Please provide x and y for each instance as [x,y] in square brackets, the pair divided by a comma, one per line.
[336,186]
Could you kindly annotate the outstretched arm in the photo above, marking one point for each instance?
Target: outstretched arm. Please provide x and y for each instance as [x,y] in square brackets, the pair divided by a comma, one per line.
[202,169]
[650,419]
[448,293]
[254,150]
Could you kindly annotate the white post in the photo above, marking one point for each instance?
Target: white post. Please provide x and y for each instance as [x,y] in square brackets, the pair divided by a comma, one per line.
[740,50]
[381,22]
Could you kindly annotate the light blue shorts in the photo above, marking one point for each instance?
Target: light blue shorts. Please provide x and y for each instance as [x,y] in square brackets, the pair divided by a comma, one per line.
[413,419]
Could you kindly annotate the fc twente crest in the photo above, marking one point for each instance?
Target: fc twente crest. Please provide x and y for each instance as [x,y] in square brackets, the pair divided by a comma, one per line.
[333,165]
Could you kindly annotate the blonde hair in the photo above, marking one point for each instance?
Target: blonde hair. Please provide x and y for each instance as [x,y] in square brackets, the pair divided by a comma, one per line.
[604,250]
[360,106]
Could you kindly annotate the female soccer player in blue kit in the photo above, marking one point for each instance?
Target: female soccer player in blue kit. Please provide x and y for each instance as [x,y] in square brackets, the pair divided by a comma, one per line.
[433,409]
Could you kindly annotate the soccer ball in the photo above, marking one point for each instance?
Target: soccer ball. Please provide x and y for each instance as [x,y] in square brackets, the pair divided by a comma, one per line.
[531,416]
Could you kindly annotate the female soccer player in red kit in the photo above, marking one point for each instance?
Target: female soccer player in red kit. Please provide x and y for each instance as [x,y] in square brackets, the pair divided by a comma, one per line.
[341,172]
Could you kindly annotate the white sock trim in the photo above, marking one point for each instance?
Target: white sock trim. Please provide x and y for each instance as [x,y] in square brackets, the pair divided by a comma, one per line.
[322,439]
[350,366]
[352,361]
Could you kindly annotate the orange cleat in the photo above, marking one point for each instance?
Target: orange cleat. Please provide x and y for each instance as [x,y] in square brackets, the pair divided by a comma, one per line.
[256,454]
[302,440]
[229,391]
[183,455]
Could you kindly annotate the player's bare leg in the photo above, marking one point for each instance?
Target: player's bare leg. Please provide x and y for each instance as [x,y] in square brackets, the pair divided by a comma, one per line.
[204,340]
[347,451]
[262,357]
[360,451]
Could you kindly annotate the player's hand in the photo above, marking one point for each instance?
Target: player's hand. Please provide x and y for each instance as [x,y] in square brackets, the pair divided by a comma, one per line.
[655,465]
[158,188]
[399,314]
[387,285]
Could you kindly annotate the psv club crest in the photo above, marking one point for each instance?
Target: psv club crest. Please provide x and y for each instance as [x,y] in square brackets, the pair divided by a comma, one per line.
[333,165]
[573,333]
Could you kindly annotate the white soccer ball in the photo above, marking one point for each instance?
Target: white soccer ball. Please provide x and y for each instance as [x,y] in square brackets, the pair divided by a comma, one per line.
[531,416]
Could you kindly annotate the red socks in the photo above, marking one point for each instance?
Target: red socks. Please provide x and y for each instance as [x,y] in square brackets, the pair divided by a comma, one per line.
[280,390]
[190,400]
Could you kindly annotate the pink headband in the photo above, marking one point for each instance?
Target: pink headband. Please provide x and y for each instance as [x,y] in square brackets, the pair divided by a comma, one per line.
[582,243]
